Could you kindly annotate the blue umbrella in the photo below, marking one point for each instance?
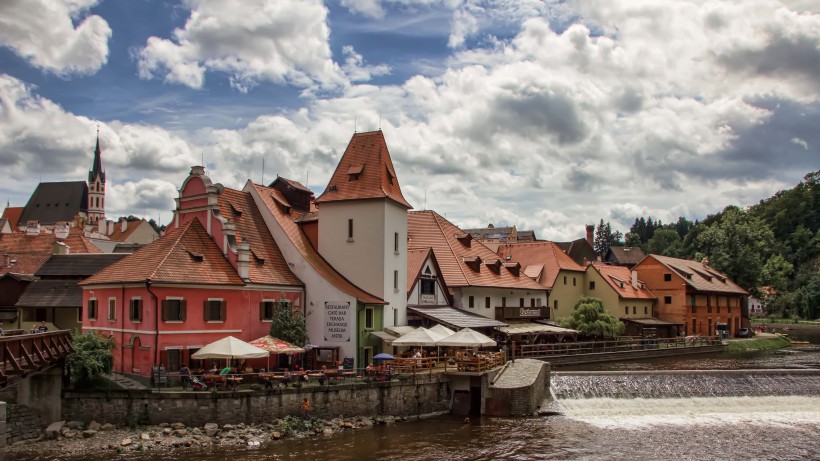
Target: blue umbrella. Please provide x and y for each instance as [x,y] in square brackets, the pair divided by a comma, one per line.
[383,356]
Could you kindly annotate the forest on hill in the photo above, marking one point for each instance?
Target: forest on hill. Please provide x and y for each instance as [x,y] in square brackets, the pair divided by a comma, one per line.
[773,244]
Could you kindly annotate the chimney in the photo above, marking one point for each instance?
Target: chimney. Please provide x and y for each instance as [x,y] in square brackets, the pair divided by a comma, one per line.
[60,248]
[102,226]
[32,228]
[123,225]
[243,254]
[635,279]
[61,229]
[590,234]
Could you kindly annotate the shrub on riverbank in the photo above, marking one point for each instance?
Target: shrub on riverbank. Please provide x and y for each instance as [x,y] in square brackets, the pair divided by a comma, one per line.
[757,344]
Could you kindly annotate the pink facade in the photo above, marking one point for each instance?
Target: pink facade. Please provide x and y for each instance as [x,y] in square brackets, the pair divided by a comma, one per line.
[137,341]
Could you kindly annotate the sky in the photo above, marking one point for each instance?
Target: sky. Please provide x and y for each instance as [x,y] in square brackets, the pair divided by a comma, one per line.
[547,115]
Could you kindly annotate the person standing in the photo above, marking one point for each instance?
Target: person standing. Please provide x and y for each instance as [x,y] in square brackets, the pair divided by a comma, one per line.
[42,328]
[306,408]
[185,376]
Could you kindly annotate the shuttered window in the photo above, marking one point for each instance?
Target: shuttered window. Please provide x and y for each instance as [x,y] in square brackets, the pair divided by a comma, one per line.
[214,310]
[174,310]
[92,309]
[135,310]
[266,310]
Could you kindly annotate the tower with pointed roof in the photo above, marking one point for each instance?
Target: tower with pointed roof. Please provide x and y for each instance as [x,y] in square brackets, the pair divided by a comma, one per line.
[363,223]
[96,188]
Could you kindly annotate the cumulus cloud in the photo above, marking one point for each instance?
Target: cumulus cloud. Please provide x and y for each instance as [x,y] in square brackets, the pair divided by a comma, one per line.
[285,41]
[54,35]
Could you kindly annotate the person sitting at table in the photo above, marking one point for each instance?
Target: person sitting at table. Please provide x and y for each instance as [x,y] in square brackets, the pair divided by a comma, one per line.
[286,378]
[224,374]
[417,355]
[214,369]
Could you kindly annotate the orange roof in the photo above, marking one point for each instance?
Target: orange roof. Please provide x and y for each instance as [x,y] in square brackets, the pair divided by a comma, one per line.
[365,171]
[187,254]
[267,265]
[13,215]
[462,260]
[415,261]
[286,217]
[22,264]
[698,275]
[620,279]
[119,236]
[545,254]
[21,243]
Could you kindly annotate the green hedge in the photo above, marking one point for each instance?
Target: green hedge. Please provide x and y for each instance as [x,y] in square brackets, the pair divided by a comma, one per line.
[757,344]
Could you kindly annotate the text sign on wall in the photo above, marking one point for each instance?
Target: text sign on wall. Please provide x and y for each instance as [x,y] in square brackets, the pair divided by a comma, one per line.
[338,325]
[427,299]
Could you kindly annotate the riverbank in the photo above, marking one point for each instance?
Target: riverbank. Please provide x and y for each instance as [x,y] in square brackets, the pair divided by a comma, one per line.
[78,440]
[760,342]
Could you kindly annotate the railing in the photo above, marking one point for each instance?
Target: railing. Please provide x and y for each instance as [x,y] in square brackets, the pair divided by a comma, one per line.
[25,353]
[618,345]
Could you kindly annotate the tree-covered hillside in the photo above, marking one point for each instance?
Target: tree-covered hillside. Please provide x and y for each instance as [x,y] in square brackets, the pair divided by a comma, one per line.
[775,243]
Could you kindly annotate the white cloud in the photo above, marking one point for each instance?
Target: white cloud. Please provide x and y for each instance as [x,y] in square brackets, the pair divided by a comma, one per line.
[355,68]
[800,142]
[45,34]
[284,41]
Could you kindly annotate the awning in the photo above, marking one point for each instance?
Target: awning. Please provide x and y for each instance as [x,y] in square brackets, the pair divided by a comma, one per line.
[399,330]
[529,327]
[456,318]
[385,336]
[652,322]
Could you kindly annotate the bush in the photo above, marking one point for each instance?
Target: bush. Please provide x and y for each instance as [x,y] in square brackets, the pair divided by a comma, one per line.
[91,358]
[591,319]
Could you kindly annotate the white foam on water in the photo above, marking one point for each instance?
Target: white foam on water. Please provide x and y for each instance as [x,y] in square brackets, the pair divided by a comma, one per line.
[641,413]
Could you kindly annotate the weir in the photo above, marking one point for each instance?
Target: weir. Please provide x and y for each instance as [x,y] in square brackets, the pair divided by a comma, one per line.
[684,384]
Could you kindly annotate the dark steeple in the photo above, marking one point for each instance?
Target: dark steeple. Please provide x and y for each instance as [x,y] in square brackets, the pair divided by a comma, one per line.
[97,168]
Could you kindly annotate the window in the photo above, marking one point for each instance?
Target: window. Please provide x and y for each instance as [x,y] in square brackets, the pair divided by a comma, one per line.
[634,310]
[503,301]
[471,302]
[349,229]
[694,306]
[667,277]
[709,331]
[92,309]
[555,304]
[538,302]
[368,318]
[521,302]
[396,242]
[428,286]
[709,306]
[135,310]
[592,285]
[174,310]
[396,280]
[667,300]
[717,304]
[80,314]
[532,302]
[694,326]
[487,302]
[728,305]
[645,310]
[214,310]
[565,280]
[266,310]
[112,309]
[573,281]
[174,359]
[626,310]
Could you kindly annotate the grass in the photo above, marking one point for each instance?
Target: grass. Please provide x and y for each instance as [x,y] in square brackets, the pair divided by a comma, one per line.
[790,321]
[757,344]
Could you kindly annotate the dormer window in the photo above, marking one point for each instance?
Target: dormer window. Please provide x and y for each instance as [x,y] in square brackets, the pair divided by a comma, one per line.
[494,265]
[196,256]
[464,238]
[473,262]
[354,171]
[389,175]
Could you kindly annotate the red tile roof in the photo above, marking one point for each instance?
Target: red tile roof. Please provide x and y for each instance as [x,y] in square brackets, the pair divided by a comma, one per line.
[13,215]
[545,254]
[42,244]
[365,171]
[187,254]
[620,279]
[119,236]
[286,217]
[698,275]
[22,263]
[267,265]
[463,261]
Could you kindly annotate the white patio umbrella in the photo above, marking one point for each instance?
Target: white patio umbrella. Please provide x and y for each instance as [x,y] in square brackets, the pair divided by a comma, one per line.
[441,331]
[229,348]
[419,337]
[467,338]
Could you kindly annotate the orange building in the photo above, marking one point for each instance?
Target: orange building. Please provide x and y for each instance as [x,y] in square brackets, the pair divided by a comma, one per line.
[692,293]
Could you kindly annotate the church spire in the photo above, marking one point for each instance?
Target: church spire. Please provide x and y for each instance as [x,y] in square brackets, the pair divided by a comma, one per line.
[96,169]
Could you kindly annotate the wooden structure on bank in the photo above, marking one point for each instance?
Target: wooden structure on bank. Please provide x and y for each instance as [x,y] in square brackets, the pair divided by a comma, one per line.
[22,354]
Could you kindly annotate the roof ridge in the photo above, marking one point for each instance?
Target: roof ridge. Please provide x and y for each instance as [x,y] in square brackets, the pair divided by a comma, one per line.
[447,240]
[184,228]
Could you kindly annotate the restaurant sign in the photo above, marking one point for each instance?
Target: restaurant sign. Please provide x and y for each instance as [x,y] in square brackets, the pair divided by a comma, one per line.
[338,322]
[427,299]
[525,312]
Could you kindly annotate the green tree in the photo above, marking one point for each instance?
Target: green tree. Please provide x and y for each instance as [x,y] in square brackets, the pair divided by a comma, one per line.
[665,242]
[92,356]
[776,273]
[737,244]
[289,324]
[591,319]
[807,296]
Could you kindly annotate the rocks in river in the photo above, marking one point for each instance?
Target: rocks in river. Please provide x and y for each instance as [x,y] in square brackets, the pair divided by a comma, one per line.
[125,442]
[177,426]
[88,433]
[74,425]
[145,436]
[107,427]
[54,429]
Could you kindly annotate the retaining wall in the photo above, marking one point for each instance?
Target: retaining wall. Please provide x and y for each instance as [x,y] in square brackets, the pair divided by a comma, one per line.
[429,394]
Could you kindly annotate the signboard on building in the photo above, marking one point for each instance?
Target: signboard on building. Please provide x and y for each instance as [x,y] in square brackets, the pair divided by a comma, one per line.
[338,322]
[525,312]
[427,299]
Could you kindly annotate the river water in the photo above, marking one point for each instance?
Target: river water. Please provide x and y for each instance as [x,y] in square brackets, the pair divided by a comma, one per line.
[785,427]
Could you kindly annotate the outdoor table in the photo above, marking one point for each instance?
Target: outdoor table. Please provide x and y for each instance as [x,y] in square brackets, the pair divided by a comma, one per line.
[233,381]
[348,374]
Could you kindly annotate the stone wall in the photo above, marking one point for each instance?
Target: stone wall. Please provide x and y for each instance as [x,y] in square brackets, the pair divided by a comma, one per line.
[520,390]
[22,423]
[429,394]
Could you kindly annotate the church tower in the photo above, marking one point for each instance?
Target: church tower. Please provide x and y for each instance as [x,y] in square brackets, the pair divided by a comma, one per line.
[96,188]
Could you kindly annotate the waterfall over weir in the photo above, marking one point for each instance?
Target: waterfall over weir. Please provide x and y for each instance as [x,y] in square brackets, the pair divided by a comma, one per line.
[684,384]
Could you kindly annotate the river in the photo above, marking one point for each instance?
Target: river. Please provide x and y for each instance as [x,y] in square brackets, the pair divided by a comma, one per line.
[739,427]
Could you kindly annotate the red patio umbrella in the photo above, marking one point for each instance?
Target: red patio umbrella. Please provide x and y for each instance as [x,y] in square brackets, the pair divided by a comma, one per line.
[275,346]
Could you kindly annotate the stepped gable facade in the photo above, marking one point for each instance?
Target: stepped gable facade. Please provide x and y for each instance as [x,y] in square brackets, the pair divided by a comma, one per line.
[694,294]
